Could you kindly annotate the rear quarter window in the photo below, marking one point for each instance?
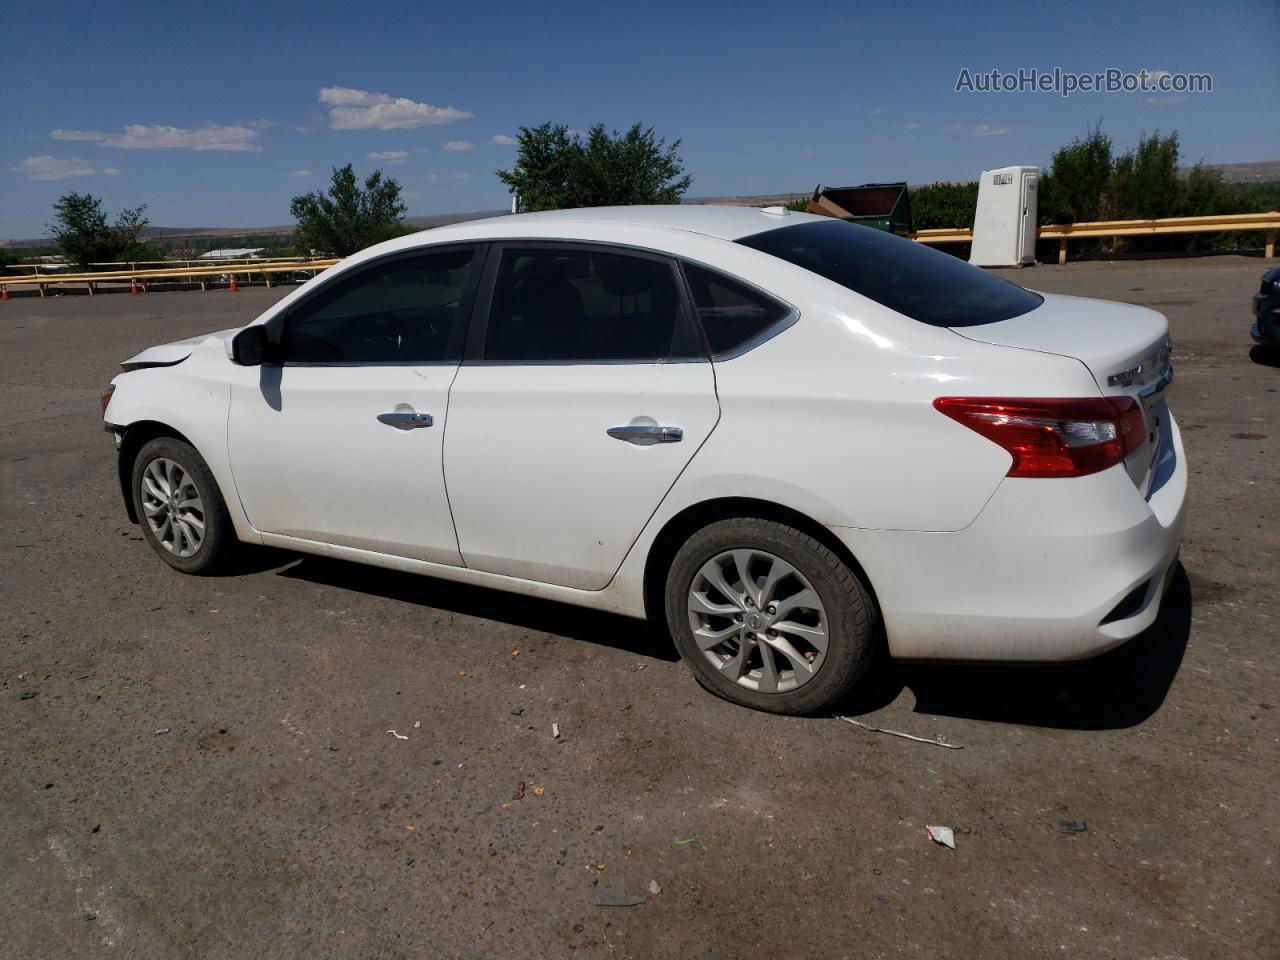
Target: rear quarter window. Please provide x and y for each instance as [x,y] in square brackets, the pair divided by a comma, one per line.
[905,276]
[732,314]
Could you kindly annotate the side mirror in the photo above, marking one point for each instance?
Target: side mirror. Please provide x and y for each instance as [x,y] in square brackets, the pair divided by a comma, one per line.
[250,347]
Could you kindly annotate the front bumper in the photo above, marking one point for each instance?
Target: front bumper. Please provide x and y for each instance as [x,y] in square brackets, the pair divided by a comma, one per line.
[1051,570]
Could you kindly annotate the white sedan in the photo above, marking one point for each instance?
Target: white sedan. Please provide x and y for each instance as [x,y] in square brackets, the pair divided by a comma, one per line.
[791,439]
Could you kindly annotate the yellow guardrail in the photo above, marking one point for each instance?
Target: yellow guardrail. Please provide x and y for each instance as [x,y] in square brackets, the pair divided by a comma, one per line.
[55,265]
[145,278]
[1063,232]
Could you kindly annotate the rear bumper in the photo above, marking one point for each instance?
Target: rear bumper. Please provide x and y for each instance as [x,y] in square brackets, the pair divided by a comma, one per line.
[1041,572]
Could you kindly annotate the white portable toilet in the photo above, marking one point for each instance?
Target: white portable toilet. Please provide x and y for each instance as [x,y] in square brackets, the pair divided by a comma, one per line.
[1004,229]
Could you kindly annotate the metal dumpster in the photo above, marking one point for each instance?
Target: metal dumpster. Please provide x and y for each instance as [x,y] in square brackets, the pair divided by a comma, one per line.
[885,206]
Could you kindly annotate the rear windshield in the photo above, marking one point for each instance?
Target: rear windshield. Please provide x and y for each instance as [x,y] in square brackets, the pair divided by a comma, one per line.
[909,277]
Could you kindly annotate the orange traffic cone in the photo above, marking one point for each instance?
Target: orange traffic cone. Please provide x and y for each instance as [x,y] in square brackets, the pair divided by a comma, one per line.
[4,291]
[133,286]
[234,288]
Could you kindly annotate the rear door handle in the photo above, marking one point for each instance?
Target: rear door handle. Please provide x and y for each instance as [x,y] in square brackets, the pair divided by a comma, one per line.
[406,421]
[645,434]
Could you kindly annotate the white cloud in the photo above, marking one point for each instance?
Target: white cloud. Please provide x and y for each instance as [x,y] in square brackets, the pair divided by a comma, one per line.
[911,126]
[300,173]
[77,135]
[503,139]
[389,156]
[141,136]
[877,112]
[987,130]
[459,145]
[45,167]
[351,109]
[1165,101]
[953,128]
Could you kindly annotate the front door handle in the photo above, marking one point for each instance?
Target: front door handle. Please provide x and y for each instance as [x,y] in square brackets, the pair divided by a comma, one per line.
[402,420]
[645,434]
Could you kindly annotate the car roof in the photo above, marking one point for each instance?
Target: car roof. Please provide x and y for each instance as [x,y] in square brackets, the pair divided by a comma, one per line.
[713,220]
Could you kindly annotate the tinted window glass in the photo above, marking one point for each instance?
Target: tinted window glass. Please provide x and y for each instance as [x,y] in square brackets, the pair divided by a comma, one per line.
[403,310]
[924,284]
[579,305]
[731,312]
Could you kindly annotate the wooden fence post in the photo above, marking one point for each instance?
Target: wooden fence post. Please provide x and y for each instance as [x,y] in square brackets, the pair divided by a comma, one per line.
[1062,251]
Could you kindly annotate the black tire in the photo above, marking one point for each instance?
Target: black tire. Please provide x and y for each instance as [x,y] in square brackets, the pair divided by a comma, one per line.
[851,614]
[219,542]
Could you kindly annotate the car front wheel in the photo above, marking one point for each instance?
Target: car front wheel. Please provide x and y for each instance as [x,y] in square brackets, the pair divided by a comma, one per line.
[768,617]
[180,507]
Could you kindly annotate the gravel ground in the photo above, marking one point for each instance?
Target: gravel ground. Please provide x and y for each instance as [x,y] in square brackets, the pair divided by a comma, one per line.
[201,767]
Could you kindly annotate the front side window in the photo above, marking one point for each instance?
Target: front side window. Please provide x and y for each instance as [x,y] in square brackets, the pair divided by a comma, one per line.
[403,310]
[732,314]
[583,306]
[926,285]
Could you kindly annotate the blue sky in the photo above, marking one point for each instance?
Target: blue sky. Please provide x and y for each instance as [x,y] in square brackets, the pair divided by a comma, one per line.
[216,114]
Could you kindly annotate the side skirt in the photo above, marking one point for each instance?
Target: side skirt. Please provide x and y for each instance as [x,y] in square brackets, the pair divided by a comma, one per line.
[611,598]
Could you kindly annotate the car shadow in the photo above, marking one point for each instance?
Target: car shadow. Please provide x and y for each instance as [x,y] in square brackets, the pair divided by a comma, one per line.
[529,613]
[1120,689]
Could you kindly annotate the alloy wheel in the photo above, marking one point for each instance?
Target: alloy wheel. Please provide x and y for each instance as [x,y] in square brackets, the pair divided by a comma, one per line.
[758,620]
[173,508]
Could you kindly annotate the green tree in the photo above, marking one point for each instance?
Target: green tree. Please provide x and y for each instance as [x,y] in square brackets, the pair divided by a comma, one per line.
[1205,193]
[1144,182]
[350,217]
[1073,190]
[944,205]
[556,169]
[82,233]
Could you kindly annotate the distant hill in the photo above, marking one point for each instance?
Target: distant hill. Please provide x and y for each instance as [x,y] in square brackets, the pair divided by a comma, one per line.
[1264,172]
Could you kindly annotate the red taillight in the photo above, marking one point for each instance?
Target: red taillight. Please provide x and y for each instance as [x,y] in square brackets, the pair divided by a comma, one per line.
[1053,438]
[106,397]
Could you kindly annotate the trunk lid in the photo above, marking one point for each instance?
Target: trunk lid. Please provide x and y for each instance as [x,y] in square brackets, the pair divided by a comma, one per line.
[1125,348]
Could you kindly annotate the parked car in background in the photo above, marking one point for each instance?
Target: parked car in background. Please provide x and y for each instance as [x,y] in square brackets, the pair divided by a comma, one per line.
[1266,310]
[788,438]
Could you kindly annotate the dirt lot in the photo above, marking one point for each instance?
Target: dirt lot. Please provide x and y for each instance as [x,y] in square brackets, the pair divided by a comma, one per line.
[201,767]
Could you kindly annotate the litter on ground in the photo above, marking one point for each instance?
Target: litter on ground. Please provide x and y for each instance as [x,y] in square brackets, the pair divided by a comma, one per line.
[617,898]
[943,835]
[939,742]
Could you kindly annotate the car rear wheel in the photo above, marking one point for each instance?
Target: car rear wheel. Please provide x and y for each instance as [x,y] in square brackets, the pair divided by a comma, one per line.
[768,617]
[180,507]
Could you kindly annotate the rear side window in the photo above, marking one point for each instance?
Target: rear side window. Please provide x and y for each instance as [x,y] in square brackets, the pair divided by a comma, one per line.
[582,306]
[732,314]
[924,284]
[400,311]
